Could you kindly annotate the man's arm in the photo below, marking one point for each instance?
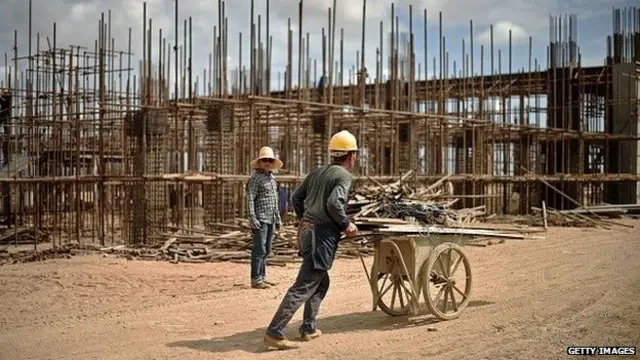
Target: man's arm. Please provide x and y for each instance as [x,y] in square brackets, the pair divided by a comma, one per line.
[278,217]
[337,203]
[298,196]
[252,194]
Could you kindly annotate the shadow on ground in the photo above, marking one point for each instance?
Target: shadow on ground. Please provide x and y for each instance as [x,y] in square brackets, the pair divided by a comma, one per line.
[251,341]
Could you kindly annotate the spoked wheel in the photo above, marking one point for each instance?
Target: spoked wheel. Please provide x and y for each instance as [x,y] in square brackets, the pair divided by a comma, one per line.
[446,277]
[392,289]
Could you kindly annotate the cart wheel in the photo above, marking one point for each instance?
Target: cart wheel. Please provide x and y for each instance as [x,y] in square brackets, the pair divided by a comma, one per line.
[444,292]
[393,288]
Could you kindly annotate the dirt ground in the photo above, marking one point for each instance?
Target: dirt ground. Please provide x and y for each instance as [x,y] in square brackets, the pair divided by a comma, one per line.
[531,299]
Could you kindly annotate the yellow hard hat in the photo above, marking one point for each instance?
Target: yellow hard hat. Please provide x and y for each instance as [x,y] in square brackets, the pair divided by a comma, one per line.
[343,142]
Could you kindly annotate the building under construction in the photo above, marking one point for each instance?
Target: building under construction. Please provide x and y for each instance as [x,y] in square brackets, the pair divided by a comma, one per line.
[92,149]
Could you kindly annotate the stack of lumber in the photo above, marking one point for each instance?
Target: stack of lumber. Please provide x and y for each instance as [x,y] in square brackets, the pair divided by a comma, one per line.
[23,235]
[582,215]
[587,216]
[232,246]
[378,210]
[610,211]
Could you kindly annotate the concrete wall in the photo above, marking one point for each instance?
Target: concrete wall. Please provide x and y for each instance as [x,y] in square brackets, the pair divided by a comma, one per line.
[625,121]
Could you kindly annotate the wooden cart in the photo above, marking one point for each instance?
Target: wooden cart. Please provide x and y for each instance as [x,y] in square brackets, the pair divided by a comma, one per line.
[431,265]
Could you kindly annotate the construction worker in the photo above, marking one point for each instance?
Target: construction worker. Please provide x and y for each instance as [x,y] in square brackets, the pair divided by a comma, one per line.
[320,204]
[264,217]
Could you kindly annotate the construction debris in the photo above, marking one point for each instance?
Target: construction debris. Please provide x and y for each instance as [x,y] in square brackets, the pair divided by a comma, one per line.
[379,210]
[234,246]
[592,216]
[25,256]
[100,159]
[399,201]
[23,235]
[398,208]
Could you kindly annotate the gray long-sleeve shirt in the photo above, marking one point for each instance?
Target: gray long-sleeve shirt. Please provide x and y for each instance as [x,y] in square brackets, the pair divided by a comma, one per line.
[323,196]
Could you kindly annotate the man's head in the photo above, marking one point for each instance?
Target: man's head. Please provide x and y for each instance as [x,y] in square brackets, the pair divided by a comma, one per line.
[348,161]
[266,160]
[343,149]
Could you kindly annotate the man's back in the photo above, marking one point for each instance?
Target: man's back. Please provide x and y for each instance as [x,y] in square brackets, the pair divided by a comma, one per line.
[323,196]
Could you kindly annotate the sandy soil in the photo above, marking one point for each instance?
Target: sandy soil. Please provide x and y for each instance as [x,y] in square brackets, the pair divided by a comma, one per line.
[531,299]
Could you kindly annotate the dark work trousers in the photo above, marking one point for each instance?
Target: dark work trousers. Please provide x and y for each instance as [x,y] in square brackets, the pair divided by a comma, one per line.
[309,289]
[260,250]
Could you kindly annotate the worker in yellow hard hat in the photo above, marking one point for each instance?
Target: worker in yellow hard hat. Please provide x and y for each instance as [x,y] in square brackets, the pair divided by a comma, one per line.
[320,204]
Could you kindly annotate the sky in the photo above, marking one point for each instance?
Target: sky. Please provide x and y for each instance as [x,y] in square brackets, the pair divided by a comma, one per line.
[77,24]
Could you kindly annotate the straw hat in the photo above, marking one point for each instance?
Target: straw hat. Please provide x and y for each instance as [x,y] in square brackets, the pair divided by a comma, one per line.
[266,153]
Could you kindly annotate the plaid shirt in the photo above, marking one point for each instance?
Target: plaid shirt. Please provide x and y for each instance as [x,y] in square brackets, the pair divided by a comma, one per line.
[262,198]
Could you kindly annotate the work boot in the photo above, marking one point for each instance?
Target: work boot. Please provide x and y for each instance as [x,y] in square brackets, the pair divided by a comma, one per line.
[279,343]
[261,285]
[310,336]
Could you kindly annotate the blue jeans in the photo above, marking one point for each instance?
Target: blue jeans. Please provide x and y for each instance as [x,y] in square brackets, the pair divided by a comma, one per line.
[261,248]
[309,288]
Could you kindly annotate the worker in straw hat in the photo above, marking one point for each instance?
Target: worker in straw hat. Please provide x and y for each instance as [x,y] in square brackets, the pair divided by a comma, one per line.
[320,204]
[264,217]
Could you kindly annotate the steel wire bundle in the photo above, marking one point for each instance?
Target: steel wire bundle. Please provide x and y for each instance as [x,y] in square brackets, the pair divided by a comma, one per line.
[427,214]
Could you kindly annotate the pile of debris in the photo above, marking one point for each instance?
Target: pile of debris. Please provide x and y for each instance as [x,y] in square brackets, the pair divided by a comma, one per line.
[588,216]
[584,216]
[22,236]
[234,246]
[10,255]
[428,205]
[396,209]
[377,210]
[26,256]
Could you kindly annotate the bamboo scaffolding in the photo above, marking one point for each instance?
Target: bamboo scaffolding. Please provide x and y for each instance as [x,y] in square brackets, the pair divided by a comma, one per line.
[97,149]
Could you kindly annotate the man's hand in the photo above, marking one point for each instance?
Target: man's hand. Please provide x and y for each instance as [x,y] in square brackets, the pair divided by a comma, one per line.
[352,229]
[255,225]
[278,225]
[298,239]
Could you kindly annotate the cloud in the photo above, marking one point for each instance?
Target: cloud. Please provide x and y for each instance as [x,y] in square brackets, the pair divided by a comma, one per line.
[501,34]
[77,24]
